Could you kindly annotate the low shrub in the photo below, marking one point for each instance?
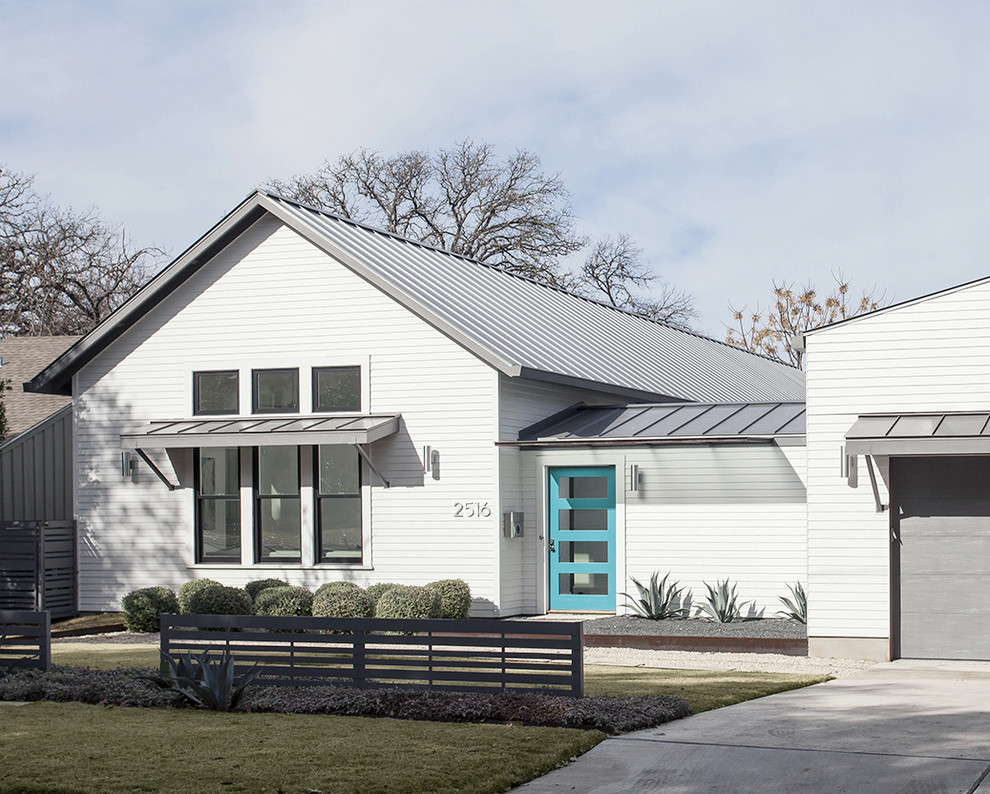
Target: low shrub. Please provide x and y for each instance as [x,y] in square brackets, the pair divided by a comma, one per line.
[260,585]
[135,687]
[455,598]
[284,601]
[403,601]
[187,590]
[376,591]
[143,608]
[336,587]
[342,602]
[216,599]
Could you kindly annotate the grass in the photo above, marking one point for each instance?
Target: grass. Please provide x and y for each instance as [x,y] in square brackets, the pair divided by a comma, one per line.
[112,750]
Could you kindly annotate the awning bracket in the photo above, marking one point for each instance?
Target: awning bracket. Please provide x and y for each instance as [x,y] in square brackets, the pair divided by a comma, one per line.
[158,472]
[371,465]
[881,507]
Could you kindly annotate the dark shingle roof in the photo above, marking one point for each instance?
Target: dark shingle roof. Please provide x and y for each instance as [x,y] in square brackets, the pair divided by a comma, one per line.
[21,358]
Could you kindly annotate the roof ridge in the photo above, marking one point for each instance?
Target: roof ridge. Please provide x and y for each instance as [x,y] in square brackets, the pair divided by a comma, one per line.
[528,279]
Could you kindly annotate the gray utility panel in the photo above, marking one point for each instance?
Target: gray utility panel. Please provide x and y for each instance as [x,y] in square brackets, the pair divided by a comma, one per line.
[940,516]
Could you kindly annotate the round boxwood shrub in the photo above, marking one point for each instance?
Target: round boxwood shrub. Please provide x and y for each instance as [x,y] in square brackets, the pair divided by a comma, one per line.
[216,599]
[403,601]
[342,602]
[336,587]
[455,597]
[186,591]
[377,590]
[284,601]
[260,585]
[143,608]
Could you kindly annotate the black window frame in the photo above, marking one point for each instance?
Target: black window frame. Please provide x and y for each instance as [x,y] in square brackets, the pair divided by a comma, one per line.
[196,391]
[318,497]
[257,498]
[315,375]
[254,391]
[200,498]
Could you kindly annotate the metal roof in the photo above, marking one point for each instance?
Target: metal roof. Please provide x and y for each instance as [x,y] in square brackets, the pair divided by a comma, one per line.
[518,326]
[925,433]
[255,432]
[705,421]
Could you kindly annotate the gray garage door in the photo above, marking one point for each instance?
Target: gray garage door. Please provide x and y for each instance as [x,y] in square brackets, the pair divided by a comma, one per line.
[941,512]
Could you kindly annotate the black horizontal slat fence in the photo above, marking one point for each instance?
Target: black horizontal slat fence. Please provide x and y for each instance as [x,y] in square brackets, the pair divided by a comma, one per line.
[25,639]
[38,566]
[464,655]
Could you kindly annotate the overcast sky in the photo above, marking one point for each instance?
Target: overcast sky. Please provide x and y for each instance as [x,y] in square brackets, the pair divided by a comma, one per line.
[736,142]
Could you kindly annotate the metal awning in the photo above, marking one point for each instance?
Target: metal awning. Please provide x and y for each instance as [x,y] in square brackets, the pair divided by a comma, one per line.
[256,432]
[928,433]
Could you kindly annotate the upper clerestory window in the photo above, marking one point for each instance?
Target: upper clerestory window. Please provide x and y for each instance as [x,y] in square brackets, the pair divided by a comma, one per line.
[275,391]
[215,392]
[336,389]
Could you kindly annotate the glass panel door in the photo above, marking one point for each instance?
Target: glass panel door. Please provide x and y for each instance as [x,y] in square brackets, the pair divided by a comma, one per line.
[582,538]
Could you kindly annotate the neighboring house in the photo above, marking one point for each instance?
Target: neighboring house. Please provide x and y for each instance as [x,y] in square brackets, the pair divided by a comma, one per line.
[898,408]
[298,395]
[36,453]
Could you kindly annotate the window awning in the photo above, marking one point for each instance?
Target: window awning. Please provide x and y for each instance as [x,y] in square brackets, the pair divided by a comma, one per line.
[257,432]
[929,433]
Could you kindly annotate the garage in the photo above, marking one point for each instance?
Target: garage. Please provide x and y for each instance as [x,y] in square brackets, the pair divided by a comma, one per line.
[940,522]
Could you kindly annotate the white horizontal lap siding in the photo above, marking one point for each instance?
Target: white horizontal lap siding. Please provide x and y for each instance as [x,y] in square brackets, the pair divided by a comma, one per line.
[930,356]
[711,512]
[271,299]
[521,404]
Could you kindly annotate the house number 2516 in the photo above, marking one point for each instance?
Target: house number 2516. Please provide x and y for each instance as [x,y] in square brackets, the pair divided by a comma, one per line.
[472,510]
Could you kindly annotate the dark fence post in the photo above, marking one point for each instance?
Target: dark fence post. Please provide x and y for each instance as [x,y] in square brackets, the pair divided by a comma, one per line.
[39,567]
[45,643]
[360,672]
[577,660]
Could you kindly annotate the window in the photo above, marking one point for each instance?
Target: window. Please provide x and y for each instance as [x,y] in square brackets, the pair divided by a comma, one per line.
[338,504]
[276,504]
[218,505]
[215,392]
[337,389]
[275,391]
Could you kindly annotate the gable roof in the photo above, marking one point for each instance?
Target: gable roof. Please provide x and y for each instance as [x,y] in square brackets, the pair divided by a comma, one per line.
[21,358]
[519,326]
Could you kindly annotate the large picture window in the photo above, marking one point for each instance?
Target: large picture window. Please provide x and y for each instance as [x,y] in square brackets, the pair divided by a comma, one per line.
[276,514]
[275,391]
[218,505]
[338,504]
[337,389]
[215,392]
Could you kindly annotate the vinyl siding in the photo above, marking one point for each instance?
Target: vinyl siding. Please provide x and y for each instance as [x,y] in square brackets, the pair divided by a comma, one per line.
[271,299]
[930,355]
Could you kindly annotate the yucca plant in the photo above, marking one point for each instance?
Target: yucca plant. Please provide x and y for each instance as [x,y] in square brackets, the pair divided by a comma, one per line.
[798,608]
[722,604]
[658,601]
[206,681]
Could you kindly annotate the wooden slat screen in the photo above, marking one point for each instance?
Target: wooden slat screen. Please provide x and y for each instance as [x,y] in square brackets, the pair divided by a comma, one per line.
[463,655]
[38,566]
[25,639]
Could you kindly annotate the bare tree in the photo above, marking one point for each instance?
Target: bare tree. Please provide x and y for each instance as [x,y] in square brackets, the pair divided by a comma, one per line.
[463,199]
[61,272]
[614,272]
[794,312]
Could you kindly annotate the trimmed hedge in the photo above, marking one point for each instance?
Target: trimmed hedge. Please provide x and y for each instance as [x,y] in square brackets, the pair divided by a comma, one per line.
[187,590]
[131,687]
[284,601]
[342,602]
[376,591]
[216,599]
[455,598]
[336,587]
[403,601]
[258,586]
[143,608]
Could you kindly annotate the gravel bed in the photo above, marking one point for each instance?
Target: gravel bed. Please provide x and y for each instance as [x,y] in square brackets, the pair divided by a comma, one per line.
[117,637]
[766,628]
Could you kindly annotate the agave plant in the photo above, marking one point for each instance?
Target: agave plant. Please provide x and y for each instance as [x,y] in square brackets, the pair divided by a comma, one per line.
[206,681]
[722,604]
[798,608]
[658,601]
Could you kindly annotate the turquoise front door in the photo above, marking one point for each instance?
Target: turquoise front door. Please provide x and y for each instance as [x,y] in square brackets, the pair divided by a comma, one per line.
[582,538]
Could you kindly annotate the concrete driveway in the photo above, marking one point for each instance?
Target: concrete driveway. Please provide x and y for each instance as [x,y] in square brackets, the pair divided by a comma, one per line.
[898,727]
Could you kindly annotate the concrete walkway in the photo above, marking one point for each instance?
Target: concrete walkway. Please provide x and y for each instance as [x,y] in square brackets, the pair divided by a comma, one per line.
[898,727]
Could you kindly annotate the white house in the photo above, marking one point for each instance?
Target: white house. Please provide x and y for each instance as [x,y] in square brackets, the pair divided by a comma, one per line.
[302,396]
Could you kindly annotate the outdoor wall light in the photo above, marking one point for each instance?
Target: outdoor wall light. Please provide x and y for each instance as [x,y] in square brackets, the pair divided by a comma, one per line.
[431,462]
